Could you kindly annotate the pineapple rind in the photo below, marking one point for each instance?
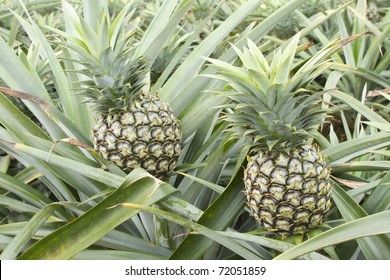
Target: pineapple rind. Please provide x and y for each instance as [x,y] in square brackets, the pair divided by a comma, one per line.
[146,135]
[294,200]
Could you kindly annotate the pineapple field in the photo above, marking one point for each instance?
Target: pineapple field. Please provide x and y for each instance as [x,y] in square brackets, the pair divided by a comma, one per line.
[195,130]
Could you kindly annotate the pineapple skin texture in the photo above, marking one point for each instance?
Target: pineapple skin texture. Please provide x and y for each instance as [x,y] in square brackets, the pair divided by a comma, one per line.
[145,135]
[288,193]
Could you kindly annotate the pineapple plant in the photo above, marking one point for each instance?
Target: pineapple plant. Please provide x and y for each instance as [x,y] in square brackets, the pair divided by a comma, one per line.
[133,129]
[287,181]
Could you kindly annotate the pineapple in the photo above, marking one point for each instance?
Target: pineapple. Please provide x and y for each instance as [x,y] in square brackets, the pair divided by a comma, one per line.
[133,129]
[287,181]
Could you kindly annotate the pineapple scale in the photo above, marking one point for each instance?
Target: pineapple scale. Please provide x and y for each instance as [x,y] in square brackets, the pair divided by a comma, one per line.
[288,193]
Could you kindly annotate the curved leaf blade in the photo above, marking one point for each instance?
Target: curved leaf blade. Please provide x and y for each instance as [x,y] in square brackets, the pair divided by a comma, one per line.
[372,225]
[99,220]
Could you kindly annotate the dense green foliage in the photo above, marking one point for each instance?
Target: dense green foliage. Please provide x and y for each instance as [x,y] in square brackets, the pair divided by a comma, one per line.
[56,202]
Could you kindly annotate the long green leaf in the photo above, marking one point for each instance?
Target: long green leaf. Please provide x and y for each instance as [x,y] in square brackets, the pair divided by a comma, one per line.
[160,38]
[216,217]
[372,225]
[358,106]
[196,227]
[157,25]
[353,148]
[16,205]
[114,255]
[16,122]
[379,199]
[71,103]
[17,76]
[116,240]
[25,192]
[99,220]
[269,243]
[20,240]
[190,67]
[373,247]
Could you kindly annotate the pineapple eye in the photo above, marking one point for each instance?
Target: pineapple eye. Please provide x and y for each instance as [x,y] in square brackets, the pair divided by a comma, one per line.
[254,166]
[143,133]
[267,225]
[308,201]
[131,162]
[293,197]
[302,215]
[248,184]
[168,132]
[256,195]
[149,163]
[283,223]
[300,228]
[103,150]
[127,118]
[277,191]
[155,148]
[97,137]
[172,163]
[282,159]
[321,203]
[308,169]
[310,185]
[294,181]
[261,180]
[295,166]
[110,139]
[153,118]
[123,147]
[265,214]
[279,175]
[157,133]
[116,128]
[110,119]
[322,187]
[115,157]
[147,105]
[285,210]
[267,167]
[162,164]
[128,132]
[168,149]
[253,205]
[320,169]
[102,129]
[177,148]
[139,148]
[269,202]
[316,219]
[140,118]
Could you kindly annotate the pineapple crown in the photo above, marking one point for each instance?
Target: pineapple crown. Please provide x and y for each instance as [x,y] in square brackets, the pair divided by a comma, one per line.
[111,93]
[273,109]
[105,51]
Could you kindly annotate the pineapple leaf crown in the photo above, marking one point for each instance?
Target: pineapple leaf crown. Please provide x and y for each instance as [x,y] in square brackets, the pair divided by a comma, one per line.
[105,52]
[273,108]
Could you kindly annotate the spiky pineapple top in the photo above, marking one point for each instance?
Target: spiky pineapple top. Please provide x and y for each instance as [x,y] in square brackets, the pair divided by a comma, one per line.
[114,93]
[273,109]
[106,55]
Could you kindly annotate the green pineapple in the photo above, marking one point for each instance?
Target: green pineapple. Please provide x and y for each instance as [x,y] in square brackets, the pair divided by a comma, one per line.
[287,181]
[133,129]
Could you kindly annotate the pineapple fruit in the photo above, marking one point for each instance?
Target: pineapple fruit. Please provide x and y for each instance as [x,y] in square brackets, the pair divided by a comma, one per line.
[287,181]
[133,129]
[143,132]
